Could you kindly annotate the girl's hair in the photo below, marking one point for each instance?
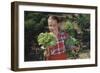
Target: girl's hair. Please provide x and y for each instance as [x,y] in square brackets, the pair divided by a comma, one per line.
[59,19]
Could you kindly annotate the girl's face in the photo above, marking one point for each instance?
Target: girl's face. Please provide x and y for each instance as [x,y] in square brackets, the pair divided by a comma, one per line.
[53,25]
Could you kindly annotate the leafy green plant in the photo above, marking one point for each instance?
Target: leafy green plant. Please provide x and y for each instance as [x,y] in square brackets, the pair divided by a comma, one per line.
[71,41]
[74,44]
[46,39]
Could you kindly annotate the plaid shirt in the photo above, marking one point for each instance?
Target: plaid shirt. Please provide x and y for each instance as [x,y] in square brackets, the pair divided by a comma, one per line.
[59,47]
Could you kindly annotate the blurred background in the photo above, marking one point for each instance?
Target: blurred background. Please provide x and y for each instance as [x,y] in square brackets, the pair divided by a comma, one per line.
[77,25]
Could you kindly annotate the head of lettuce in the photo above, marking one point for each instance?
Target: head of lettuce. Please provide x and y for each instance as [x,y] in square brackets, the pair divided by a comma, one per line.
[46,39]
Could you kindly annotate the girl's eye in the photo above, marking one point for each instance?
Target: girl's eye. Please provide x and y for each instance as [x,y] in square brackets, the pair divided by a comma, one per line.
[50,25]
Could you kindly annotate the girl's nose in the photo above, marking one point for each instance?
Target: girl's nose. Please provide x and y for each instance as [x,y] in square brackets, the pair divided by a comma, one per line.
[51,27]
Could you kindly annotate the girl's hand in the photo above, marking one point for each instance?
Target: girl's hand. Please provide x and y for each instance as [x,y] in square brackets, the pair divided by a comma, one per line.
[46,52]
[76,49]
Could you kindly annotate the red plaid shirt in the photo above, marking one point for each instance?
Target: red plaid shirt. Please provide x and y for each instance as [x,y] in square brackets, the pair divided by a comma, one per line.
[59,47]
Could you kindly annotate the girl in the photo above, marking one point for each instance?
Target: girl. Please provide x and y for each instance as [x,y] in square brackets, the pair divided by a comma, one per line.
[57,52]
